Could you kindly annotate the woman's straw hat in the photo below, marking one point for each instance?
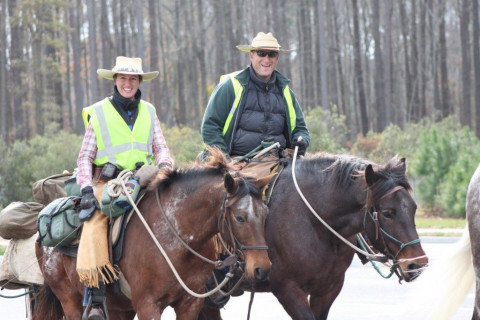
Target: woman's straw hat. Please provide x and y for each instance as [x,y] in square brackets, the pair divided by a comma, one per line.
[127,66]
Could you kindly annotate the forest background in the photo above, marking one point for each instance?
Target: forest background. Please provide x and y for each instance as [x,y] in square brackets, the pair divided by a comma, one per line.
[375,78]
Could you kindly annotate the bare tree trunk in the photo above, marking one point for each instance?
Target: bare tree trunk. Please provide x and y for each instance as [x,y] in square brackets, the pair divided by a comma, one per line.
[3,71]
[16,75]
[379,81]
[446,107]
[387,66]
[476,63]
[330,42]
[358,71]
[414,111]
[200,54]
[181,111]
[221,43]
[322,44]
[155,59]
[74,11]
[92,43]
[306,54]
[108,47]
[422,65]
[465,106]
[405,37]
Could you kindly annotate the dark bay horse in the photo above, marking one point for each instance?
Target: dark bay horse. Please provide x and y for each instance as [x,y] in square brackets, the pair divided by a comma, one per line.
[352,196]
[200,202]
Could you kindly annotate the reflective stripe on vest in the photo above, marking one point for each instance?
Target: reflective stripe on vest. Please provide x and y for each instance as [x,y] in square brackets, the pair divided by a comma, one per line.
[116,143]
[238,89]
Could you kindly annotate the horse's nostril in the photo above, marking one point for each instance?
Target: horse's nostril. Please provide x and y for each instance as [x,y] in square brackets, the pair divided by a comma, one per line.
[414,270]
[261,274]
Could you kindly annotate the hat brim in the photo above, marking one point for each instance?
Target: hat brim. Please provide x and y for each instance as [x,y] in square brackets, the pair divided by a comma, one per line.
[108,74]
[248,48]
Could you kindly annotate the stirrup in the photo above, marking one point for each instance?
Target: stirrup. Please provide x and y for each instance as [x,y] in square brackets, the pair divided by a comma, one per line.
[100,301]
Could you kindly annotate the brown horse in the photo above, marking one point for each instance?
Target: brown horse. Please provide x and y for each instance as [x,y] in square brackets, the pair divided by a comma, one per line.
[199,203]
[342,197]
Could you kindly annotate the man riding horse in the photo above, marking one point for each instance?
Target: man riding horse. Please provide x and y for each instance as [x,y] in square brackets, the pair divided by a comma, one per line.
[255,105]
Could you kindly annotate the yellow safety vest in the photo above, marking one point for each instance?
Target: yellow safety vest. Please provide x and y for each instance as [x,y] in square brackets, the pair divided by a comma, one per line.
[116,143]
[238,89]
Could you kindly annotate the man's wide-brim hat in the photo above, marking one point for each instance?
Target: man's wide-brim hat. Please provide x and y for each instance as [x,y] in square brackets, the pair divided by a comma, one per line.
[263,41]
[127,65]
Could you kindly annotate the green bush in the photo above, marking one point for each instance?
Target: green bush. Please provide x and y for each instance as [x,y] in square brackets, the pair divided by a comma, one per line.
[27,161]
[184,144]
[328,130]
[452,191]
[380,147]
[446,159]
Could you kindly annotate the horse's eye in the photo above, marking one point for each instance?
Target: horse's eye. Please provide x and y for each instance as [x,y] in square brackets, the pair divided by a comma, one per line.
[240,219]
[389,214]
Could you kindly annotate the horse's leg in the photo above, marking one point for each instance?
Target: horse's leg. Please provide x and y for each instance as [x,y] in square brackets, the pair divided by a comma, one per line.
[45,305]
[148,309]
[321,302]
[210,313]
[188,308]
[53,266]
[121,315]
[293,299]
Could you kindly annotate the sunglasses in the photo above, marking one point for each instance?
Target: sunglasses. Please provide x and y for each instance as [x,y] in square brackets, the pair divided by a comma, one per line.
[263,54]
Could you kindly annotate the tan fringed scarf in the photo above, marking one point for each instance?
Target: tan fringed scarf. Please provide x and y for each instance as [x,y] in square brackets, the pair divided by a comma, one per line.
[93,262]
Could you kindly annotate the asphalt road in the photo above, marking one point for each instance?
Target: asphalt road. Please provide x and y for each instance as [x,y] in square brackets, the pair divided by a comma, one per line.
[365,296]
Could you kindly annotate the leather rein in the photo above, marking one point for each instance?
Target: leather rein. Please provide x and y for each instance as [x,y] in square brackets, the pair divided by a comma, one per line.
[374,216]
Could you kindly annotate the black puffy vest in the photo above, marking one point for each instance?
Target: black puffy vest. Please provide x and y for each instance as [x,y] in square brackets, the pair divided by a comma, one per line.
[262,116]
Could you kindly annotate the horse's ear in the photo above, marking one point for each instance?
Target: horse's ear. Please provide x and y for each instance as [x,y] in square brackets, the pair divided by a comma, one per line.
[230,184]
[403,164]
[370,176]
[264,181]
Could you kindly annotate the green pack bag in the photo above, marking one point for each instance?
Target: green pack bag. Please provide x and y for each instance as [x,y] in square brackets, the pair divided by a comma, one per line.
[71,186]
[58,222]
[114,207]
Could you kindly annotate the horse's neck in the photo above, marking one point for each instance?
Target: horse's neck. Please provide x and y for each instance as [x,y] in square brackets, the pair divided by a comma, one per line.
[194,214]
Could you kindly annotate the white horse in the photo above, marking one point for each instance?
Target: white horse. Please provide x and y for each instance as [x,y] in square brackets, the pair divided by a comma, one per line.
[443,286]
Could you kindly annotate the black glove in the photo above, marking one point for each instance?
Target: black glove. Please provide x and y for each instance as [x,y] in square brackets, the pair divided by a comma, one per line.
[88,204]
[302,146]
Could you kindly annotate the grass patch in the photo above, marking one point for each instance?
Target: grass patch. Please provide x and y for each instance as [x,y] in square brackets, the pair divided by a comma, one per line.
[439,223]
[2,250]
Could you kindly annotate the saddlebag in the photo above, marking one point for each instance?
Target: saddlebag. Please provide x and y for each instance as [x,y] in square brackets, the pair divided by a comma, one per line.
[58,222]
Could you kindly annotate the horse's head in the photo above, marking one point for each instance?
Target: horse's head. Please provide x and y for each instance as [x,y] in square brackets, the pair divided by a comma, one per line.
[244,223]
[389,218]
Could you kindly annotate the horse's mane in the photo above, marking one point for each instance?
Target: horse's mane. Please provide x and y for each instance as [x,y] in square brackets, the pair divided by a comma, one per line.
[343,170]
[216,165]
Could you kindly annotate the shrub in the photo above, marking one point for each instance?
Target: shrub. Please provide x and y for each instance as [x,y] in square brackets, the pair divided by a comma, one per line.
[27,161]
[184,144]
[328,130]
[446,159]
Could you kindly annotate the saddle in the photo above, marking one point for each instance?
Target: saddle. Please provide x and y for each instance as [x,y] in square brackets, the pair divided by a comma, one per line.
[269,163]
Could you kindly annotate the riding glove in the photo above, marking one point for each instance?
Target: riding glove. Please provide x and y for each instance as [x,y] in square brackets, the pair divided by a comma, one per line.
[302,146]
[88,204]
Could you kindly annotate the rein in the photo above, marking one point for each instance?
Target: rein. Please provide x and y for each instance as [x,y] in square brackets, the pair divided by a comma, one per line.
[374,257]
[167,259]
[219,264]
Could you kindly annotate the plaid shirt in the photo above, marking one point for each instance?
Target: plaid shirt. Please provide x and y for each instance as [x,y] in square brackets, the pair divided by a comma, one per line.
[88,152]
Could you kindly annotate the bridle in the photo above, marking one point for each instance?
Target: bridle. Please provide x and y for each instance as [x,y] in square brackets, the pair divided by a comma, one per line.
[231,261]
[372,213]
[223,222]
